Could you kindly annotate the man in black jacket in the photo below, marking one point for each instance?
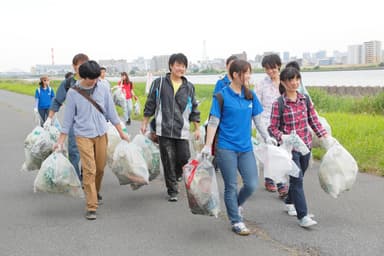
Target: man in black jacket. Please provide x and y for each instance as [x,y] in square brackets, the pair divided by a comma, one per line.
[172,100]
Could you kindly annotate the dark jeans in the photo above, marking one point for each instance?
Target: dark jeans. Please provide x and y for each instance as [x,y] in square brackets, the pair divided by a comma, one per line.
[174,155]
[296,190]
[43,115]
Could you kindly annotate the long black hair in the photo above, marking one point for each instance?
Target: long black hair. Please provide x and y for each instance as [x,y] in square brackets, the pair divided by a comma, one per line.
[241,67]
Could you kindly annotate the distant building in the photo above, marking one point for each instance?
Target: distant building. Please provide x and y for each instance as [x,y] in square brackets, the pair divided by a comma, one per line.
[355,54]
[372,52]
[320,55]
[115,67]
[286,57]
[242,56]
[51,69]
[160,63]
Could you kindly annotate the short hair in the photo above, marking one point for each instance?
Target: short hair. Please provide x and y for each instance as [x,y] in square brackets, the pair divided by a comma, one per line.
[81,57]
[89,69]
[68,75]
[103,68]
[293,64]
[271,61]
[231,58]
[177,57]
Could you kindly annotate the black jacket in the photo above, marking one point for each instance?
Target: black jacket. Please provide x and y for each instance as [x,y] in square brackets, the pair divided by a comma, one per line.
[173,113]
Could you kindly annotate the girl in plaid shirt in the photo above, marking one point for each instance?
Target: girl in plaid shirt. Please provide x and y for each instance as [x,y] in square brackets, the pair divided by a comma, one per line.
[296,118]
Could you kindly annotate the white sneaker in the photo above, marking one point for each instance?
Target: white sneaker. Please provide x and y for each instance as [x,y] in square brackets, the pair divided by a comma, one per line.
[290,209]
[240,229]
[307,222]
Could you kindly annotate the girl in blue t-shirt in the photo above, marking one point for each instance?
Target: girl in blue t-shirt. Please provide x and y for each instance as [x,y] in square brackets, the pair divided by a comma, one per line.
[234,107]
[43,98]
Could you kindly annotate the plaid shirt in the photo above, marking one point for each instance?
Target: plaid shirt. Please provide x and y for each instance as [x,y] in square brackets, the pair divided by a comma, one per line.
[296,118]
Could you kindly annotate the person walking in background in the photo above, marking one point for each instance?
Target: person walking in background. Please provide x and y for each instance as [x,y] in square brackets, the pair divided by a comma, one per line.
[43,98]
[225,81]
[172,101]
[104,81]
[68,75]
[295,117]
[232,111]
[267,91]
[88,106]
[59,100]
[301,88]
[127,88]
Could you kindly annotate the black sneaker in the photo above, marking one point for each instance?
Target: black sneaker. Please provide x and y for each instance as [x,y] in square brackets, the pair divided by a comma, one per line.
[172,199]
[90,215]
[129,121]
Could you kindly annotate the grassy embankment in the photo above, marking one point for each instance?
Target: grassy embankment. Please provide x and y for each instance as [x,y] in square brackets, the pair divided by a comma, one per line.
[358,123]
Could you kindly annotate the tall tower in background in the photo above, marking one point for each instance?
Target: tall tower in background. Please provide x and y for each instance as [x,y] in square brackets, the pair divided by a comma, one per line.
[52,57]
[204,60]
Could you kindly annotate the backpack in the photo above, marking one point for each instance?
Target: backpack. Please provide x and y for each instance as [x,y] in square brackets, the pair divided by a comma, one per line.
[280,102]
[49,91]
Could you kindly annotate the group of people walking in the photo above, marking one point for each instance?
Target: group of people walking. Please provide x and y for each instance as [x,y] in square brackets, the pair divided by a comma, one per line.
[172,105]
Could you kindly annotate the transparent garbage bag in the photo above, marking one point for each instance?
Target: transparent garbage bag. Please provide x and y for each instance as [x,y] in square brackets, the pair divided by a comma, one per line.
[38,146]
[202,191]
[338,170]
[151,154]
[118,97]
[129,165]
[137,107]
[57,175]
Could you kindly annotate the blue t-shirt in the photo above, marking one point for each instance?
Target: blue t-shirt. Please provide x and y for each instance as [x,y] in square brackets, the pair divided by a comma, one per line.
[44,96]
[221,83]
[235,119]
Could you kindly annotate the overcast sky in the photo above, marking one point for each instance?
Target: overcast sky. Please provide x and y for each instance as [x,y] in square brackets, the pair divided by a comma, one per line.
[133,28]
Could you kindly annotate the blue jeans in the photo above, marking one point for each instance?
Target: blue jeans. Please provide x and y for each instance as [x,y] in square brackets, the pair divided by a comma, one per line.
[128,110]
[73,152]
[229,162]
[296,190]
[43,115]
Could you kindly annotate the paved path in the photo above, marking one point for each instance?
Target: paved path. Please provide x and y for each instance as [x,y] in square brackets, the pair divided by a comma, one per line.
[143,223]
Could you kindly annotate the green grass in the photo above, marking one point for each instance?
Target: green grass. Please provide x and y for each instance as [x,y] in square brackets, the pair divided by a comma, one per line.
[357,123]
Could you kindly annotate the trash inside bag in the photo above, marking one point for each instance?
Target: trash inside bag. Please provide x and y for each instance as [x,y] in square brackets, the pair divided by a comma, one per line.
[113,140]
[57,175]
[201,185]
[338,170]
[129,165]
[119,97]
[38,146]
[151,154]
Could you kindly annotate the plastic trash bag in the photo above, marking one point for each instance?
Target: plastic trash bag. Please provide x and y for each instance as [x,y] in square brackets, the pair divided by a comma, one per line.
[119,97]
[316,140]
[129,165]
[38,146]
[277,162]
[195,146]
[137,108]
[294,142]
[151,154]
[202,191]
[113,140]
[57,175]
[338,170]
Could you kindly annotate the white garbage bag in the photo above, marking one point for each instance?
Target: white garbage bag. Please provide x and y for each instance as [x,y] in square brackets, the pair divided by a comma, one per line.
[113,140]
[277,162]
[338,170]
[137,108]
[201,185]
[57,175]
[129,165]
[119,97]
[151,154]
